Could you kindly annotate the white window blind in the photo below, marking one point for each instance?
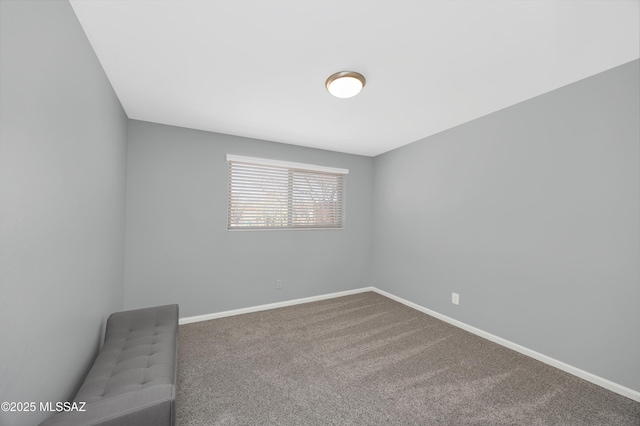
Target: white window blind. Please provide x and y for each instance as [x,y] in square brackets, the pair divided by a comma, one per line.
[269,194]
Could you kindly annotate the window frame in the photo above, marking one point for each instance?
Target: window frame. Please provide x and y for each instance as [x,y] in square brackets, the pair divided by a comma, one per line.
[290,168]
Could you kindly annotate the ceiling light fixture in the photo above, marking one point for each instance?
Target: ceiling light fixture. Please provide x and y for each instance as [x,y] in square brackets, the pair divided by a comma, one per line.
[345,84]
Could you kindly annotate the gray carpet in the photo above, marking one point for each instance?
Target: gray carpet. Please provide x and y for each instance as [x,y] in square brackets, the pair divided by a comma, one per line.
[368,360]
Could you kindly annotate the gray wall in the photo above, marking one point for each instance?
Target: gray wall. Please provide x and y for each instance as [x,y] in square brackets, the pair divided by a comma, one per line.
[62,193]
[532,215]
[178,246]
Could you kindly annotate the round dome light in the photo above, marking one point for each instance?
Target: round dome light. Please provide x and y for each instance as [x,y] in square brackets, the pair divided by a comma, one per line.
[345,84]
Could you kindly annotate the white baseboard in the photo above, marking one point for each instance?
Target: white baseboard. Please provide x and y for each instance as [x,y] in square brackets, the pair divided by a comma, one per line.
[188,320]
[597,380]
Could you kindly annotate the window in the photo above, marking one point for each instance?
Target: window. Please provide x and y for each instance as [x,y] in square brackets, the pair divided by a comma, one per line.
[269,194]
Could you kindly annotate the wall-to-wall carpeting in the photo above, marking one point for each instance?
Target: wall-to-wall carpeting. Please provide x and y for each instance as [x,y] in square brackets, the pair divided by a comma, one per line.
[368,360]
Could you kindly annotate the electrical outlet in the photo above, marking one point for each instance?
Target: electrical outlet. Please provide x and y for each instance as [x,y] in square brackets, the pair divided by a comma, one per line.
[455,298]
[279,284]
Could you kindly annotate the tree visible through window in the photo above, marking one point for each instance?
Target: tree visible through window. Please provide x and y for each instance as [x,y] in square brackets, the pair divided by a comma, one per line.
[267,194]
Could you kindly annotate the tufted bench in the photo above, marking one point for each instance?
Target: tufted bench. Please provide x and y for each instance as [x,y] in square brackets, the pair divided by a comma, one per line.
[132,381]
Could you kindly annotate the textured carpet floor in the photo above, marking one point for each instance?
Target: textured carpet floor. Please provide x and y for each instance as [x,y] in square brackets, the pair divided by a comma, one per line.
[368,360]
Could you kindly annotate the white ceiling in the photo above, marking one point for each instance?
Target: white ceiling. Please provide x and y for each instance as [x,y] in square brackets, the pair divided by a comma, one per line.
[257,68]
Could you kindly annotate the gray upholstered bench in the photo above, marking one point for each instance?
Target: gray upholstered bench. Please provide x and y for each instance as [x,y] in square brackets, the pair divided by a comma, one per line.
[133,379]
